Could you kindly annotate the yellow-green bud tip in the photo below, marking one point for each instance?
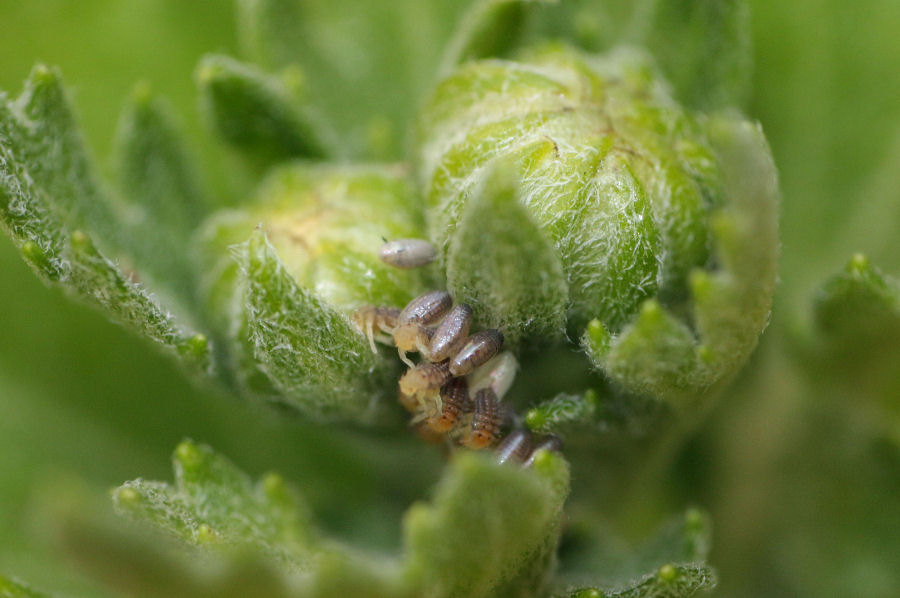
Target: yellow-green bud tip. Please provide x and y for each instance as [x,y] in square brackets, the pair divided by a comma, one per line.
[127,496]
[534,419]
[208,72]
[80,239]
[188,454]
[273,484]
[651,310]
[545,462]
[32,251]
[206,534]
[858,263]
[667,573]
[142,93]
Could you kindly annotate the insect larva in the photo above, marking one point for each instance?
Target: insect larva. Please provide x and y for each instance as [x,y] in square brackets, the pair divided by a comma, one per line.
[369,317]
[550,443]
[407,253]
[411,332]
[515,448]
[426,309]
[497,374]
[449,337]
[424,377]
[487,419]
[454,402]
[479,348]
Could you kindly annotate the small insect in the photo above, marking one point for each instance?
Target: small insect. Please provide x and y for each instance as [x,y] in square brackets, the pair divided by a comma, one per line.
[454,402]
[487,419]
[411,332]
[407,253]
[424,377]
[479,348]
[497,374]
[451,334]
[368,318]
[550,443]
[515,448]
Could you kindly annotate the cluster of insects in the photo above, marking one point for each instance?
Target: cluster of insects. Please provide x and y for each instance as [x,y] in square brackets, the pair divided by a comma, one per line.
[456,389]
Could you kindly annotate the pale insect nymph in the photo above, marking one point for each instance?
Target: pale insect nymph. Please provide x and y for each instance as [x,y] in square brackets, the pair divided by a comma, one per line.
[456,390]
[407,253]
[411,332]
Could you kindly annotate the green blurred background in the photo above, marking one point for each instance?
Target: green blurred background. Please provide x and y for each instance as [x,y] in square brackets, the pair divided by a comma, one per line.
[799,464]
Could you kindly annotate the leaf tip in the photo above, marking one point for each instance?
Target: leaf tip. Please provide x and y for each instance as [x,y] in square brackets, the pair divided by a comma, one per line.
[667,573]
[125,497]
[535,419]
[858,264]
[188,455]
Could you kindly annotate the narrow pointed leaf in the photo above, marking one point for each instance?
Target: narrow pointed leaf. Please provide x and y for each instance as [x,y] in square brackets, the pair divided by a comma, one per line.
[564,412]
[857,342]
[491,530]
[162,188]
[654,355]
[272,32]
[502,264]
[671,581]
[859,302]
[658,354]
[47,190]
[490,28]
[258,114]
[96,279]
[703,46]
[51,146]
[214,504]
[153,164]
[671,563]
[316,358]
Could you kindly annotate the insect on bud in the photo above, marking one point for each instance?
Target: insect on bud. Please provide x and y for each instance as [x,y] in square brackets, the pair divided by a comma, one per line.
[407,253]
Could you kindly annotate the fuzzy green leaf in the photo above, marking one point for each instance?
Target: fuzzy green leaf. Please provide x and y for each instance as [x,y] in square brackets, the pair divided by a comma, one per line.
[213,504]
[500,263]
[367,88]
[664,220]
[12,589]
[564,411]
[47,142]
[654,355]
[326,224]
[859,302]
[261,115]
[47,191]
[162,188]
[703,46]
[489,28]
[856,348]
[272,32]
[660,355]
[671,563]
[317,359]
[491,530]
[153,164]
[670,581]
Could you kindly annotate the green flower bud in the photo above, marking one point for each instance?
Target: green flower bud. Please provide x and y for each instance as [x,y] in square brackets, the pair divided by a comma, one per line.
[326,224]
[635,193]
[276,308]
